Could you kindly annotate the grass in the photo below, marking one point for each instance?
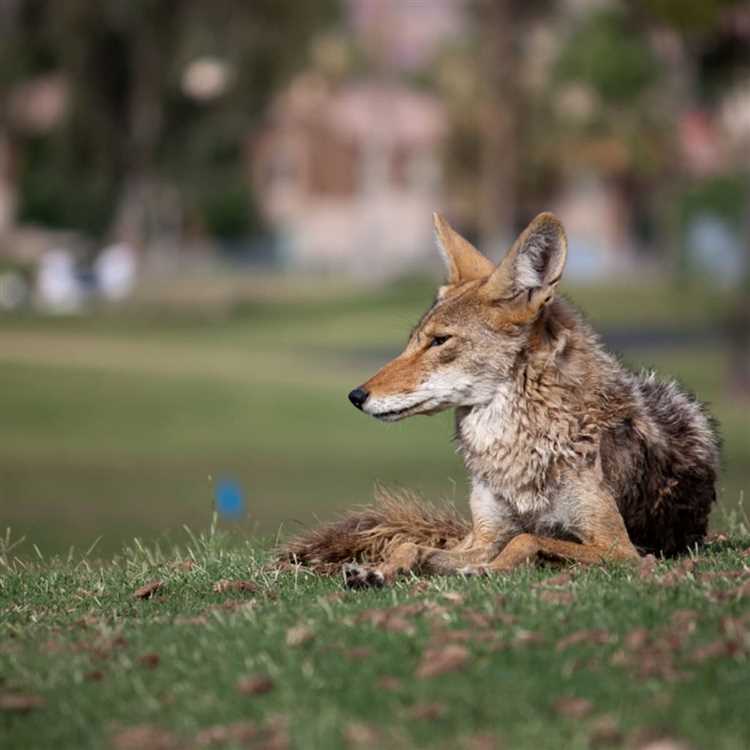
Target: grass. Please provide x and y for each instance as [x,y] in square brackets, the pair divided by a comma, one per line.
[314,666]
[119,425]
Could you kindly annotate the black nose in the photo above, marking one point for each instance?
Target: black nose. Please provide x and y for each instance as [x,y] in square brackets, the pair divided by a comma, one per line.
[358,397]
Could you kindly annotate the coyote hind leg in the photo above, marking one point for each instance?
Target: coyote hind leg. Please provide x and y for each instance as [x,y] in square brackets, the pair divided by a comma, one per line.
[526,547]
[409,557]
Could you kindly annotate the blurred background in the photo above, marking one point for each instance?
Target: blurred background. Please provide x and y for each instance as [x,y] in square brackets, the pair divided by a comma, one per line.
[215,220]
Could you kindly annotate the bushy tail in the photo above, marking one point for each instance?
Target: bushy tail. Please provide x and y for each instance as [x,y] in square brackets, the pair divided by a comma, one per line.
[370,533]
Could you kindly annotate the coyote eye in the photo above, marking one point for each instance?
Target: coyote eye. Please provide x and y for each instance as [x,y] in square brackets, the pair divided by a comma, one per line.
[438,340]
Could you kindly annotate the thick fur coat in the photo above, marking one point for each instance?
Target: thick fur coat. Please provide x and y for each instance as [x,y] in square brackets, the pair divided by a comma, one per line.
[570,455]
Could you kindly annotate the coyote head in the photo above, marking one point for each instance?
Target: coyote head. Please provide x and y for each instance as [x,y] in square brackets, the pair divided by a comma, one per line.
[467,344]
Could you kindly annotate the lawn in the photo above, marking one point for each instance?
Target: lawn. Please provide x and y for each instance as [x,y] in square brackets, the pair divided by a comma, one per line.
[120,425]
[208,647]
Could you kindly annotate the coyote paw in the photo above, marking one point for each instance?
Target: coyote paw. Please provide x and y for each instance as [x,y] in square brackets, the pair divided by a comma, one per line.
[473,570]
[362,577]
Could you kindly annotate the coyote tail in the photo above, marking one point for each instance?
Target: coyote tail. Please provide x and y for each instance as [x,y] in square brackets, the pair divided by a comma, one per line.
[372,532]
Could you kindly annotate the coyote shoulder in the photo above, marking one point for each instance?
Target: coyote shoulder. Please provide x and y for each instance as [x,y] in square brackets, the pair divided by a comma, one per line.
[570,455]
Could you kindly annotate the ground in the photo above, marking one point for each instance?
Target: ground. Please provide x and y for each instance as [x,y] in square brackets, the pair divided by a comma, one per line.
[118,425]
[209,647]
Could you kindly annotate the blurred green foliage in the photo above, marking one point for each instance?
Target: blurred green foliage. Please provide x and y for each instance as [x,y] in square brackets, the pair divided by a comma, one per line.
[129,122]
[608,54]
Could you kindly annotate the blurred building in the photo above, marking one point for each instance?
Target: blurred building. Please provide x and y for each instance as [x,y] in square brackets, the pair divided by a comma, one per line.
[348,175]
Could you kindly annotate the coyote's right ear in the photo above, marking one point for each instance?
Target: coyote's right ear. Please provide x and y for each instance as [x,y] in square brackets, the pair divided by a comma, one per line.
[532,268]
[463,261]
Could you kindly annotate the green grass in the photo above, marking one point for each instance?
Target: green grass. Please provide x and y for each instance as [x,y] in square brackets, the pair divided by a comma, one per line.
[118,425]
[73,635]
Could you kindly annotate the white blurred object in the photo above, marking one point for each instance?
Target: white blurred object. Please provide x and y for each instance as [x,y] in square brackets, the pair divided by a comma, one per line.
[57,286]
[114,270]
[206,78]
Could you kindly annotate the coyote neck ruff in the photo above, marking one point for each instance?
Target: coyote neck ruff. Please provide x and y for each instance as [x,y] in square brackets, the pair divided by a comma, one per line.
[570,455]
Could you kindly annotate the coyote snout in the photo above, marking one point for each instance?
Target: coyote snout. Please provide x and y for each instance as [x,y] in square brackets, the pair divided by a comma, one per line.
[358,397]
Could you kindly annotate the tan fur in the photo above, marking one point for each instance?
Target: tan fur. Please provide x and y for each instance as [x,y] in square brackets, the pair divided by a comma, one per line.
[569,454]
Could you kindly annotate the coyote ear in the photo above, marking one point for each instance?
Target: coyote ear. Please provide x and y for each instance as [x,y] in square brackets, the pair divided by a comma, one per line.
[533,266]
[463,261]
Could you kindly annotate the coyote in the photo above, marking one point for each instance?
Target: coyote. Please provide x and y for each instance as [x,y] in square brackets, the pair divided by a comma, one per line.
[571,456]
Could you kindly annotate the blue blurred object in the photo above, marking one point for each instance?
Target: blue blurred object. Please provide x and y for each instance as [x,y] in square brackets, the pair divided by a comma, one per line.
[230,501]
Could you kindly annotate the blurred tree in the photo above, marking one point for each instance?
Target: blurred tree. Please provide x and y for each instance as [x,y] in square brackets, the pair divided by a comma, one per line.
[503,25]
[721,53]
[609,115]
[162,96]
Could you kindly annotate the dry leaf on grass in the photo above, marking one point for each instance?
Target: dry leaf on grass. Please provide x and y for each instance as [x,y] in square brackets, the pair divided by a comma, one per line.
[647,567]
[359,734]
[453,597]
[561,579]
[145,737]
[439,661]
[428,711]
[713,575]
[20,703]
[387,682]
[194,620]
[589,635]
[572,707]
[224,585]
[478,619]
[95,675]
[299,635]
[358,653]
[678,573]
[552,596]
[605,732]
[655,739]
[147,591]
[150,660]
[528,638]
[482,742]
[714,650]
[442,636]
[240,733]
[636,638]
[256,684]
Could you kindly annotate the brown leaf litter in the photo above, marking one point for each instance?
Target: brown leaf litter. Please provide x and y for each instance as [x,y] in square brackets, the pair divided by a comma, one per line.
[145,737]
[224,585]
[299,635]
[20,703]
[359,734]
[551,596]
[255,684]
[427,711]
[594,636]
[390,683]
[150,660]
[435,662]
[572,707]
[273,736]
[148,590]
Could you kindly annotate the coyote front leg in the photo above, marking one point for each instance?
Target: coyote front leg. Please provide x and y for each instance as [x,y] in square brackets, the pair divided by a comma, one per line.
[604,538]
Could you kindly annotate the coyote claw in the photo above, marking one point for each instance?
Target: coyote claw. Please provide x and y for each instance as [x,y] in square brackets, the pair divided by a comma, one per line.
[362,577]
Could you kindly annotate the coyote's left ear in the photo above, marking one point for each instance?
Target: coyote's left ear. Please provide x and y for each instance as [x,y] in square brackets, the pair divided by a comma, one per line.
[462,260]
[531,269]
